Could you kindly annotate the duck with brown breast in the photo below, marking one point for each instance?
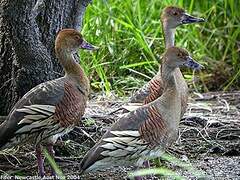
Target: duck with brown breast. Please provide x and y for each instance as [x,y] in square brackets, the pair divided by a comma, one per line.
[52,108]
[171,18]
[145,132]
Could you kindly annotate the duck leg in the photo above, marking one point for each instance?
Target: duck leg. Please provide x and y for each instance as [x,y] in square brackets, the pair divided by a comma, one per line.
[146,164]
[137,178]
[52,154]
[40,161]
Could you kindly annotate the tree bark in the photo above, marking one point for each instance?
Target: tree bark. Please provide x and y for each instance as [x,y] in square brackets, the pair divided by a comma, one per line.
[27,32]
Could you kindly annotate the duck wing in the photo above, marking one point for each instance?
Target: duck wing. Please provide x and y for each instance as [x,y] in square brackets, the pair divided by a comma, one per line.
[130,138]
[44,111]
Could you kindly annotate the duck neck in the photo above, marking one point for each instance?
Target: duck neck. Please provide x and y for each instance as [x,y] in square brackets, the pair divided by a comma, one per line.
[169,39]
[169,34]
[72,69]
[167,73]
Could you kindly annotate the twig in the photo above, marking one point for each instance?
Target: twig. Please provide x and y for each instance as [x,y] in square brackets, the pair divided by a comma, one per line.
[4,84]
[40,4]
[223,101]
[88,135]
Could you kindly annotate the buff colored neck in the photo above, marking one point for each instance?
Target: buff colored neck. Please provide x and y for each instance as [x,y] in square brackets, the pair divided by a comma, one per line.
[169,34]
[72,69]
[169,39]
[168,76]
[169,104]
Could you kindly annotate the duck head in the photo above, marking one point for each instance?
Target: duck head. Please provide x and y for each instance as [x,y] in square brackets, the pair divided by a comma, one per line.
[175,57]
[71,40]
[174,16]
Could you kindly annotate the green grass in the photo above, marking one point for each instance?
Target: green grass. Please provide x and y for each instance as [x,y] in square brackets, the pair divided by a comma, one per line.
[164,173]
[130,40]
[54,165]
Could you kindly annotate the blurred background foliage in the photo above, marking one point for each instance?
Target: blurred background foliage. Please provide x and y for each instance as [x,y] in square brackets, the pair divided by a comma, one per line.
[130,38]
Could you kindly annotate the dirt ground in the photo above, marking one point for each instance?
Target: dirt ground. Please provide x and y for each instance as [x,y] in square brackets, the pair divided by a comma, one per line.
[208,146]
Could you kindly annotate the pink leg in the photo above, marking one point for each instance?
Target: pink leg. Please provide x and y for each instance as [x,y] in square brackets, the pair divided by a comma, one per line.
[40,161]
[138,178]
[51,153]
[147,165]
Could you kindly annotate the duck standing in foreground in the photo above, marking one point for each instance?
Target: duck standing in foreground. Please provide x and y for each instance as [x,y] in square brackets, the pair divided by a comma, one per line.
[52,108]
[144,133]
[171,18]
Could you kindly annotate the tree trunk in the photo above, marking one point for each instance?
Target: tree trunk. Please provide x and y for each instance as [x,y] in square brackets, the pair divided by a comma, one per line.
[27,32]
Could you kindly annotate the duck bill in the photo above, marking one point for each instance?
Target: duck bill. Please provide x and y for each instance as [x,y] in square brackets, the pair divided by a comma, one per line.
[88,46]
[193,64]
[188,19]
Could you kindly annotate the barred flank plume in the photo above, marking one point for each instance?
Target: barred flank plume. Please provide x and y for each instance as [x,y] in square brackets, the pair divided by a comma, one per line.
[35,119]
[122,148]
[49,110]
[35,113]
[123,144]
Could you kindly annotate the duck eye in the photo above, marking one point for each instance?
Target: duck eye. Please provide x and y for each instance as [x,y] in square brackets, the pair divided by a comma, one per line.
[76,37]
[175,13]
